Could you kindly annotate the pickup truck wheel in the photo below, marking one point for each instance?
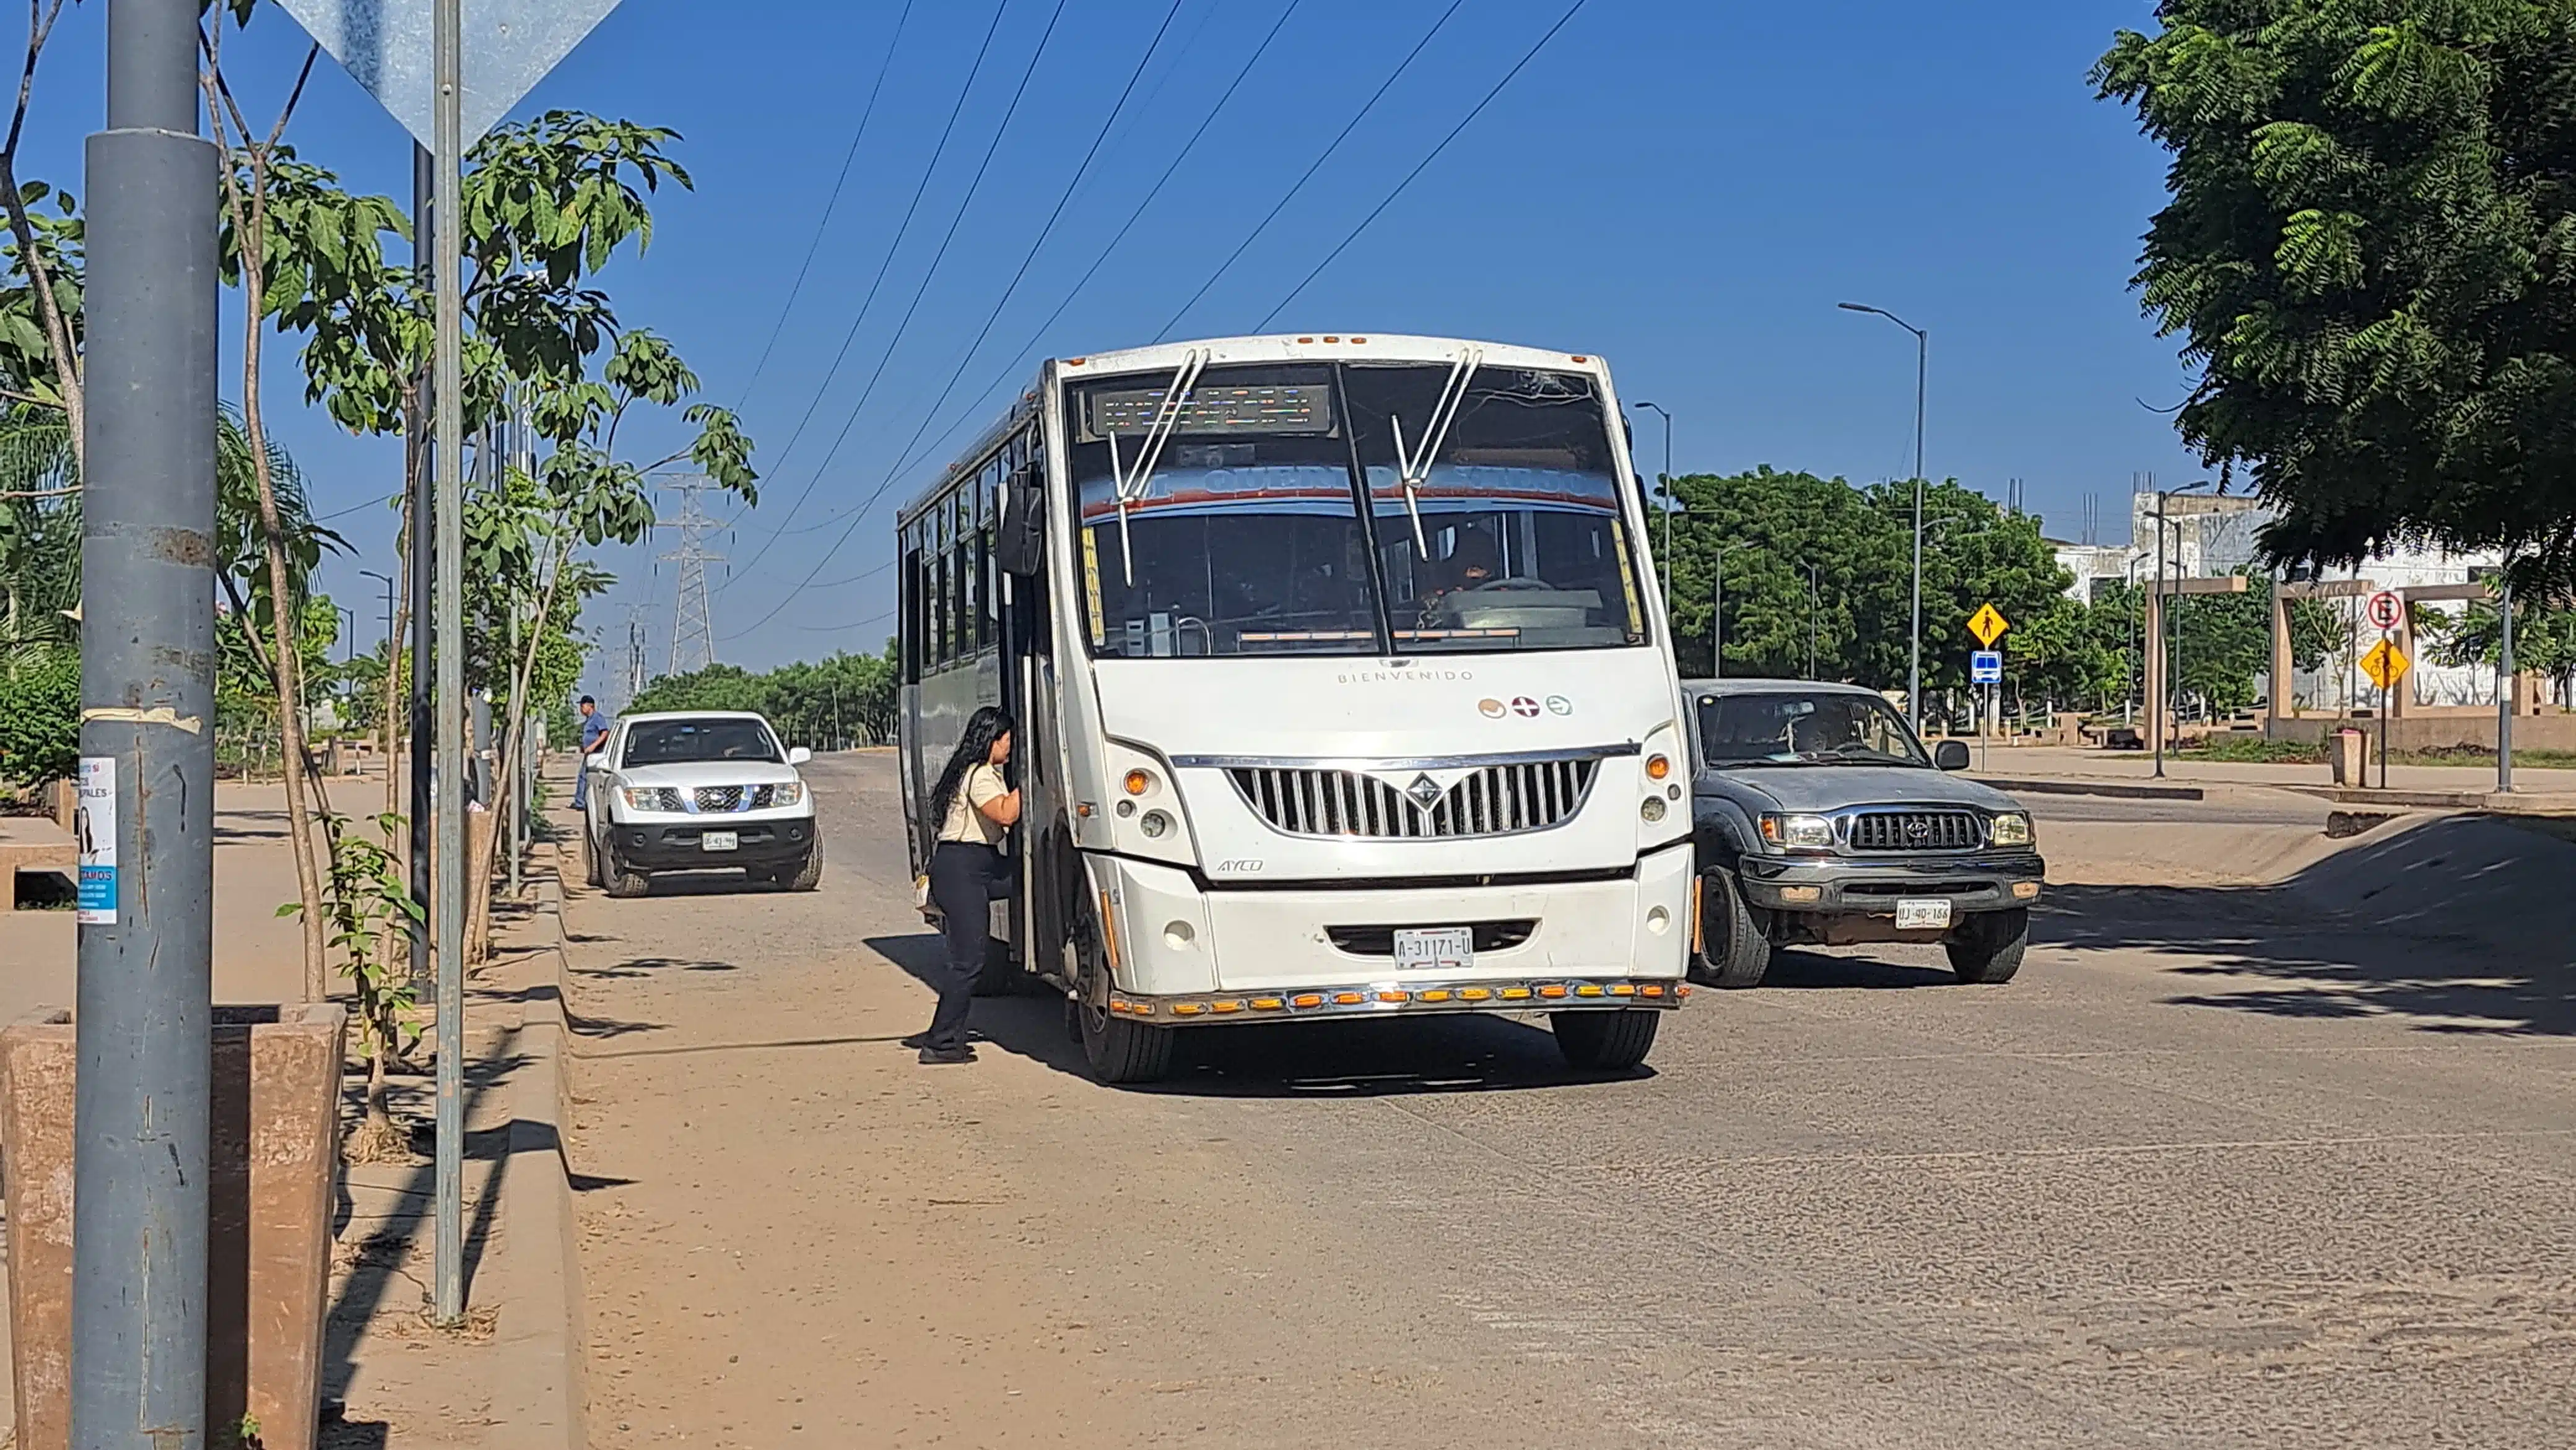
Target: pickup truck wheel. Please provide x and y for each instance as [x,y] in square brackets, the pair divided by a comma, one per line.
[809,870]
[620,880]
[1735,945]
[1119,1049]
[590,858]
[1989,948]
[1606,1041]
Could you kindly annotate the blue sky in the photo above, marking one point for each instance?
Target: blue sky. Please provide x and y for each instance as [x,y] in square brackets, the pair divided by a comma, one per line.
[1685,188]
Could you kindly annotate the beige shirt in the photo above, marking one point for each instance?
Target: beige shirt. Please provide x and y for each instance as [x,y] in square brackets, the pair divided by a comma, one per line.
[966,819]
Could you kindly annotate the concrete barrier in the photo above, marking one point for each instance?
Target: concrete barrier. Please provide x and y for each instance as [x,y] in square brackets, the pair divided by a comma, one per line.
[273,1167]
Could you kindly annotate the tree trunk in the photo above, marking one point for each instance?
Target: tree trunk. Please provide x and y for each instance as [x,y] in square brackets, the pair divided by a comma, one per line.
[58,335]
[505,796]
[394,932]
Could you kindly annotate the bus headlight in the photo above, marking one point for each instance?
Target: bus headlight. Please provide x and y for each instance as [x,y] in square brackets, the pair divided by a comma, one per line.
[1155,825]
[1652,809]
[2012,828]
[1798,833]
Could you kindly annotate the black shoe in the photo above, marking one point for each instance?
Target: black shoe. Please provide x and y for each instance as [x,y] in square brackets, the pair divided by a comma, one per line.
[915,1042]
[946,1056]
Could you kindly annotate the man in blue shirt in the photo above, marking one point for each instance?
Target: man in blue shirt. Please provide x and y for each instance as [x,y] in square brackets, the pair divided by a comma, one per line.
[594,738]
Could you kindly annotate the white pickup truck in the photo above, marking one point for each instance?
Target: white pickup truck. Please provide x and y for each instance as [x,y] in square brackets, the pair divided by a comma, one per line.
[695,791]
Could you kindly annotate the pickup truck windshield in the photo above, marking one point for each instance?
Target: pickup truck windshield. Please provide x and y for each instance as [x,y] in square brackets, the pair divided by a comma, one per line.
[694,742]
[1802,727]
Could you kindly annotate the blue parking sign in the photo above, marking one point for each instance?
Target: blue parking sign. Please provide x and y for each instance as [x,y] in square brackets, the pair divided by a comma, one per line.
[1986,667]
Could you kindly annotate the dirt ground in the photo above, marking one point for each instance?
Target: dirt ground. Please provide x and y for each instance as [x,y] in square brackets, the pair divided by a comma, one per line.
[2216,1170]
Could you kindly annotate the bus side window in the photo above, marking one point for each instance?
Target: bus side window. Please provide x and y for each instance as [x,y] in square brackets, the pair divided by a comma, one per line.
[910,604]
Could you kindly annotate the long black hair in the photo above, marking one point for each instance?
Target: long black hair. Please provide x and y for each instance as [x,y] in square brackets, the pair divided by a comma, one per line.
[985,726]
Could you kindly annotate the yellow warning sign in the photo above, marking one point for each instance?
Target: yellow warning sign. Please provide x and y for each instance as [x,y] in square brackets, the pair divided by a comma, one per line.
[2386,664]
[1988,625]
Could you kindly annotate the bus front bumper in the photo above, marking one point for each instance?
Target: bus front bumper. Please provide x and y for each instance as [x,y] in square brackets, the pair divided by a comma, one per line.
[1184,955]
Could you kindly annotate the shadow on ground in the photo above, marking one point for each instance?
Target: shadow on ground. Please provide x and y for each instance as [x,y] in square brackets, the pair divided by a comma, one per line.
[1429,1054]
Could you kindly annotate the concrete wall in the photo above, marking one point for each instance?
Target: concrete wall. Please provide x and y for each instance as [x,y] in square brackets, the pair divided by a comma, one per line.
[2444,731]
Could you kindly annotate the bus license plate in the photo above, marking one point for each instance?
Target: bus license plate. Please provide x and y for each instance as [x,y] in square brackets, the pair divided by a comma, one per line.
[1438,948]
[1911,915]
[728,840]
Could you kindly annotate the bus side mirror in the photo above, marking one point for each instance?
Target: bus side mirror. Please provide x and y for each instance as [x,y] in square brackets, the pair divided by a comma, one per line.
[1951,755]
[1019,539]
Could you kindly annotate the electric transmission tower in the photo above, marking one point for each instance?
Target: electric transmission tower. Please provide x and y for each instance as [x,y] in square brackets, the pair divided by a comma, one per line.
[693,630]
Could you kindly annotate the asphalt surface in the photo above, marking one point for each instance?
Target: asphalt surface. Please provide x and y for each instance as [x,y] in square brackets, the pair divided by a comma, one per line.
[2213,1172]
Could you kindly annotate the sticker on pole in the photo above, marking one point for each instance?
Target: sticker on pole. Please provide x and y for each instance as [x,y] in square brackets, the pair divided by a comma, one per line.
[2384,610]
[94,827]
[1988,625]
[1986,667]
[2386,664]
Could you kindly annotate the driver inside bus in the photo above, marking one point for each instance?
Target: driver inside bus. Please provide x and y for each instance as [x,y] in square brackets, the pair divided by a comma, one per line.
[1473,563]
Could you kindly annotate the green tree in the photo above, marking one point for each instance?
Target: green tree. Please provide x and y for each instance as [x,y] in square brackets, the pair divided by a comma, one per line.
[2370,254]
[843,700]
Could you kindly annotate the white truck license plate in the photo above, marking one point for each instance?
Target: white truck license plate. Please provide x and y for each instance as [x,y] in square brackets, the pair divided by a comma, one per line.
[1913,914]
[1438,948]
[729,840]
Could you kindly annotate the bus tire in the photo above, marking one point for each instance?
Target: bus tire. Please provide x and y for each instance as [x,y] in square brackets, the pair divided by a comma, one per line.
[1989,949]
[1120,1050]
[1614,1041]
[1735,946]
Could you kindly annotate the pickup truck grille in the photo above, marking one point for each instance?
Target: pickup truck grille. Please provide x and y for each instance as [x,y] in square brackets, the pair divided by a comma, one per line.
[1916,831]
[719,797]
[1493,800]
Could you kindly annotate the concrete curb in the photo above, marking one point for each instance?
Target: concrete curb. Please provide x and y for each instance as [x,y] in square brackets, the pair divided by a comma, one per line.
[2520,803]
[540,1397]
[2121,789]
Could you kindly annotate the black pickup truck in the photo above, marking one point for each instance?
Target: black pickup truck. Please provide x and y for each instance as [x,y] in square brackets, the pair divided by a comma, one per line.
[1821,820]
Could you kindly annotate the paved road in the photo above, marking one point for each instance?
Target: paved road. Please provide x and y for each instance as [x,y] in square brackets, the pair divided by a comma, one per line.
[2207,1175]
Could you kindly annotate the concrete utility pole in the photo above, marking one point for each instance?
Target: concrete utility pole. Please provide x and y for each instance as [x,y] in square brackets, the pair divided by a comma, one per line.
[146,946]
[447,1290]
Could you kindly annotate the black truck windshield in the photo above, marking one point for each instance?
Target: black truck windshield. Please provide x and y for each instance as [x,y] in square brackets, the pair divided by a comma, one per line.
[1240,532]
[693,742]
[1804,727]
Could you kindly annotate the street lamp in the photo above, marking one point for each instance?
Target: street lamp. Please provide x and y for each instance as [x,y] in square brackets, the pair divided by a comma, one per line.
[1813,596]
[389,613]
[2164,662]
[1922,361]
[1667,559]
[1717,610]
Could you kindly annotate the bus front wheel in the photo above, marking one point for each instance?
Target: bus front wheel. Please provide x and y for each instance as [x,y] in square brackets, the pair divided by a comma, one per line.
[1119,1049]
[1613,1041]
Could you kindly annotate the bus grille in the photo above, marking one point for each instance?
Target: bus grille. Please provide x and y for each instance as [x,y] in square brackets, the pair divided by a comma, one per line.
[1493,800]
[1916,831]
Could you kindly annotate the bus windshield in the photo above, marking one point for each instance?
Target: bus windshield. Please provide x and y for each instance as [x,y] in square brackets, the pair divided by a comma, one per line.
[1240,532]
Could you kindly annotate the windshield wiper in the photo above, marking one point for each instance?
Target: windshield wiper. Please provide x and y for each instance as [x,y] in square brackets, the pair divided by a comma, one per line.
[1412,472]
[1167,421]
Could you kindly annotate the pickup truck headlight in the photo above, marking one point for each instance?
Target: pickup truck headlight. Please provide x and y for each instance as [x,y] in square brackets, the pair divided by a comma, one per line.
[787,795]
[2012,828]
[649,797]
[1798,833]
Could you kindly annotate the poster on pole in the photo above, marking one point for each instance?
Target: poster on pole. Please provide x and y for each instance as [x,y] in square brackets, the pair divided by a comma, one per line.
[94,828]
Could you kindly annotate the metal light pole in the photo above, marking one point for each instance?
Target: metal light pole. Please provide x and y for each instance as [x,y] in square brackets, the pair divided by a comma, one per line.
[1922,371]
[2162,674]
[389,613]
[447,874]
[1813,597]
[1666,558]
[2504,690]
[144,1015]
[1717,611]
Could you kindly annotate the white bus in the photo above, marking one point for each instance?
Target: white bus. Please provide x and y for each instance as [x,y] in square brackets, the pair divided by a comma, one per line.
[1342,686]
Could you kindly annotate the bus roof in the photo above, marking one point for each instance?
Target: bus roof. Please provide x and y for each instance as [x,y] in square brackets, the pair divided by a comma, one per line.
[1272,348]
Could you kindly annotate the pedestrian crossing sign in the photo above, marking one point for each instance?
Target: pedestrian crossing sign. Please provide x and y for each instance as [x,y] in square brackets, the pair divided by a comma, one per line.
[1988,625]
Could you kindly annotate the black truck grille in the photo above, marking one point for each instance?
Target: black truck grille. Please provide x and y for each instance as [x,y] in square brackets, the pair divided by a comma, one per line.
[1916,831]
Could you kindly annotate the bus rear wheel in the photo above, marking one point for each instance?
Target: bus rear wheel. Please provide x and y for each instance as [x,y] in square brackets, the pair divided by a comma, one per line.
[1606,1041]
[1119,1050]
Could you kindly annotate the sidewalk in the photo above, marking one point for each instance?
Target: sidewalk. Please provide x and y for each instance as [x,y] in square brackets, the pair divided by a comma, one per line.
[2549,790]
[392,1380]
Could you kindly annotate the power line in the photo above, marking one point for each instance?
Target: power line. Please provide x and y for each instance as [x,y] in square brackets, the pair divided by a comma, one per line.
[909,311]
[887,356]
[1464,122]
[884,264]
[1038,335]
[1343,135]
[823,223]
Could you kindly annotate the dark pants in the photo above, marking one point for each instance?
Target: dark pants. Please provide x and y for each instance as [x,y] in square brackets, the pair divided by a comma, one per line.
[964,879]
